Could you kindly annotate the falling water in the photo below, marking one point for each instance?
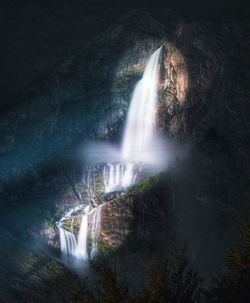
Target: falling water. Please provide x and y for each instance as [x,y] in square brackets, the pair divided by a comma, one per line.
[81,248]
[136,145]
[139,130]
[90,223]
[112,176]
[95,230]
[141,116]
[138,139]
[68,243]
[69,246]
[117,176]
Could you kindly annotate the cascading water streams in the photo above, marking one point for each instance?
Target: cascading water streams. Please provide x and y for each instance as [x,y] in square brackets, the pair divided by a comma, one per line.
[95,230]
[116,176]
[69,246]
[81,248]
[68,243]
[90,224]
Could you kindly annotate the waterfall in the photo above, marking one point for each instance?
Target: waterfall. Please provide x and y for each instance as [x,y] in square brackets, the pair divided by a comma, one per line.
[81,248]
[68,243]
[139,130]
[140,124]
[141,115]
[69,246]
[90,223]
[136,144]
[95,231]
[112,175]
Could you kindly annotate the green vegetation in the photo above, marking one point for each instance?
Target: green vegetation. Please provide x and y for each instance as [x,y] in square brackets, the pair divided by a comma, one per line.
[104,247]
[145,185]
[66,226]
[32,263]
[29,263]
[52,215]
[67,190]
[54,268]
[99,190]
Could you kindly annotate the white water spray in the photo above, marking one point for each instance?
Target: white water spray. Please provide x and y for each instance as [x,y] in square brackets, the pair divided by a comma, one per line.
[140,123]
[71,248]
[139,130]
[68,243]
[90,224]
[95,230]
[81,248]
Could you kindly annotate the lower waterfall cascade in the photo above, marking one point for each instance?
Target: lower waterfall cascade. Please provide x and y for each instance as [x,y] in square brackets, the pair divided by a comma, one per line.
[73,246]
[114,177]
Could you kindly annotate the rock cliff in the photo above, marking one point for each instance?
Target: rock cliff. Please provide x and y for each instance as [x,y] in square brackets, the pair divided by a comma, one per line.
[203,102]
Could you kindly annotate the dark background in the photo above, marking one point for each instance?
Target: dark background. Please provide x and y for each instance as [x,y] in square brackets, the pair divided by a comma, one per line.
[37,35]
[57,65]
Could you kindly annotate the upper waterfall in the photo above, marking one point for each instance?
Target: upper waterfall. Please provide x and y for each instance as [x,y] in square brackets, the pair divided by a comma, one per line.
[140,147]
[140,122]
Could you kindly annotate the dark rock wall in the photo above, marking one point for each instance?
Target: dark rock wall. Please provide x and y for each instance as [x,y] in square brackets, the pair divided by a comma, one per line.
[29,274]
[203,102]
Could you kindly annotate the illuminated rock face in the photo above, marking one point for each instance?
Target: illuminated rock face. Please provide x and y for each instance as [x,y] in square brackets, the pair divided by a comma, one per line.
[173,89]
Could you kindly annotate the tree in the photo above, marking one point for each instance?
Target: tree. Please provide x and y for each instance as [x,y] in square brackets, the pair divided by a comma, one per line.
[235,285]
[166,283]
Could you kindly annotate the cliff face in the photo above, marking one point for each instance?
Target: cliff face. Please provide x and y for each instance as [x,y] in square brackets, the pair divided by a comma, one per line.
[203,101]
[173,90]
[87,95]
